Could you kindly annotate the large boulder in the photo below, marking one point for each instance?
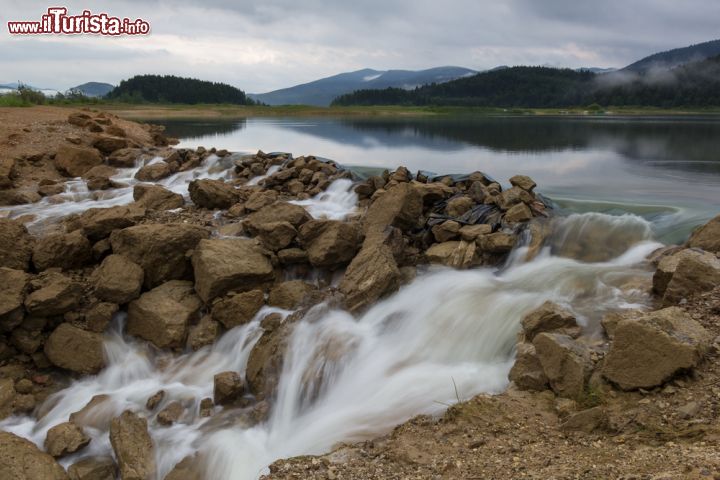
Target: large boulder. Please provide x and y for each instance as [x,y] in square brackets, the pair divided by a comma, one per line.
[276,235]
[330,243]
[228,387]
[524,182]
[160,249]
[401,206]
[62,250]
[93,468]
[57,295]
[155,197]
[203,333]
[276,212]
[566,363]
[75,161]
[75,349]
[649,349]
[372,274]
[64,439]
[707,237]
[133,446]
[549,317]
[13,286]
[498,242]
[265,363]
[291,294]
[456,254]
[98,223]
[15,245]
[125,157]
[221,265]
[527,372]
[213,194]
[162,315]
[686,273]
[153,172]
[118,279]
[238,309]
[108,144]
[20,459]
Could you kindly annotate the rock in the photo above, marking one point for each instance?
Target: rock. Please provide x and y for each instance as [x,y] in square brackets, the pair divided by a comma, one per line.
[118,280]
[133,447]
[518,213]
[372,274]
[124,158]
[524,182]
[57,295]
[277,212]
[153,172]
[238,309]
[107,144]
[513,196]
[470,233]
[689,410]
[93,468]
[549,317]
[221,265]
[586,421]
[693,274]
[79,119]
[170,414]
[7,397]
[155,197]
[213,194]
[276,235]
[98,316]
[707,237]
[648,350]
[160,249]
[75,161]
[19,196]
[667,264]
[155,400]
[64,439]
[204,333]
[187,469]
[97,413]
[527,372]
[456,254]
[162,315]
[401,206]
[13,286]
[265,362]
[292,256]
[61,250]
[445,231]
[228,387]
[458,205]
[75,349]
[207,408]
[260,199]
[15,245]
[566,363]
[98,223]
[290,295]
[330,243]
[498,242]
[20,459]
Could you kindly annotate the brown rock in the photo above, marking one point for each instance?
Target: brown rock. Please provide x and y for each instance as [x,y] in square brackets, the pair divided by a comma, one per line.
[64,439]
[13,286]
[107,144]
[74,161]
[187,469]
[260,199]
[527,372]
[565,362]
[290,295]
[98,223]
[162,315]
[524,182]
[276,235]
[57,295]
[20,459]
[155,197]
[204,333]
[265,362]
[549,317]
[498,242]
[372,274]
[170,414]
[707,237]
[99,315]
[213,194]
[207,408]
[292,256]
[75,349]
[586,421]
[228,388]
[238,309]
[7,397]
[133,447]
[153,172]
[459,205]
[445,231]
[61,250]
[401,206]
[330,243]
[15,245]
[124,158]
[155,400]
[693,274]
[513,196]
[118,280]
[221,265]
[470,233]
[518,213]
[456,254]
[277,212]
[93,468]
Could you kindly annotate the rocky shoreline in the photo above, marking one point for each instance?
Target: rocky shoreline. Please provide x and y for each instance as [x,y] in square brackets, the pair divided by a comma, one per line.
[184,268]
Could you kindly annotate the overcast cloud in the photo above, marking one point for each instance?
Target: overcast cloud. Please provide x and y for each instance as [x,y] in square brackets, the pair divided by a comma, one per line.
[263,45]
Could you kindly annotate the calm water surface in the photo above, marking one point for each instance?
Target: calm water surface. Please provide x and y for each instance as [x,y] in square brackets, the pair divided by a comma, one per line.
[665,169]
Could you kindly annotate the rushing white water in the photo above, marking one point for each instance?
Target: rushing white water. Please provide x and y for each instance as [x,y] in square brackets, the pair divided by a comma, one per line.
[347,378]
[260,178]
[336,203]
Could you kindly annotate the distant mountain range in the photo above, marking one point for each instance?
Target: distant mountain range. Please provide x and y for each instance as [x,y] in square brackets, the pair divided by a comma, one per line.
[93,89]
[675,57]
[322,92]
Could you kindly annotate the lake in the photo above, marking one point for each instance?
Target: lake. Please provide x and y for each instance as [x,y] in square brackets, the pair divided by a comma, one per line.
[666,169]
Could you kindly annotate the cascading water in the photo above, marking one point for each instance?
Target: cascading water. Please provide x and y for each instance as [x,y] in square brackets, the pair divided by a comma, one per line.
[347,378]
[335,203]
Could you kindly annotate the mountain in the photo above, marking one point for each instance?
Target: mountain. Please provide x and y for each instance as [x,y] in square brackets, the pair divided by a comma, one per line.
[675,57]
[322,92]
[172,89]
[93,89]
[13,86]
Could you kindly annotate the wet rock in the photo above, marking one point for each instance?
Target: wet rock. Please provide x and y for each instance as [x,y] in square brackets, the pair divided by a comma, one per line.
[207,408]
[265,362]
[97,413]
[124,158]
[108,144]
[155,197]
[292,256]
[64,439]
[187,469]
[518,213]
[61,250]
[524,182]
[276,235]
[566,363]
[290,295]
[118,280]
[446,231]
[707,237]
[93,468]
[457,254]
[155,400]
[650,349]
[213,194]
[498,242]
[57,295]
[238,309]
[133,446]
[75,349]
[693,274]
[372,274]
[204,333]
[170,414]
[20,459]
[15,245]
[160,249]
[98,223]
[228,387]
[221,265]
[401,206]
[19,196]
[162,315]
[330,243]
[13,286]
[153,172]
[277,212]
[74,161]
[458,205]
[471,233]
[549,317]
[527,372]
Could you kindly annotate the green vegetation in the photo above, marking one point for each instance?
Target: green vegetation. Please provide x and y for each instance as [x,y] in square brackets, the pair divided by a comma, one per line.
[172,89]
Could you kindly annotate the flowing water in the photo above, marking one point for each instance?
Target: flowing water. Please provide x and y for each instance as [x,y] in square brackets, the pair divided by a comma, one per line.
[448,335]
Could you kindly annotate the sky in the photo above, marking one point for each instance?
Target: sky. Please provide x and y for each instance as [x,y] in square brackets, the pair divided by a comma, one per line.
[264,45]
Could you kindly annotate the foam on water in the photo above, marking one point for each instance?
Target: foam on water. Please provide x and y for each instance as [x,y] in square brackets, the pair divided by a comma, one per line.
[337,202]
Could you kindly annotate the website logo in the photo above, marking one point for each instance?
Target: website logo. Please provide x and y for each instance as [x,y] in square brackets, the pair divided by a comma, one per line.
[57,22]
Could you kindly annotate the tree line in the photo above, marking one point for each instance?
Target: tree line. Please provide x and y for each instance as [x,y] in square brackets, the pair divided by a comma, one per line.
[172,89]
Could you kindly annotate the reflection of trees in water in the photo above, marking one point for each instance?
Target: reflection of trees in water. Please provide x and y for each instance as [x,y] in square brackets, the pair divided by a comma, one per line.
[192,129]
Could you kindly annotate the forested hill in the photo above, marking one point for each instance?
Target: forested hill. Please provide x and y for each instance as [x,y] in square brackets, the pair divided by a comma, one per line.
[694,84]
[172,89]
[676,57]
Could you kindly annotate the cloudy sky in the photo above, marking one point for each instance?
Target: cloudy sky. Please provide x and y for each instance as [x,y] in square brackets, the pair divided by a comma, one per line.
[263,45]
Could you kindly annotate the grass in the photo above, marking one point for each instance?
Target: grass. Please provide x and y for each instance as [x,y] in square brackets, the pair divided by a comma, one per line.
[11,100]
